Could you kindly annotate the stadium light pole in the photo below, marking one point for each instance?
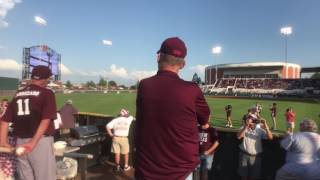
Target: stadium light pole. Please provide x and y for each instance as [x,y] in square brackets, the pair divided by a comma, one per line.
[216,50]
[286,31]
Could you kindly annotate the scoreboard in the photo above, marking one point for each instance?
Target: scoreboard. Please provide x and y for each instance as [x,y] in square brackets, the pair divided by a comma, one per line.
[41,55]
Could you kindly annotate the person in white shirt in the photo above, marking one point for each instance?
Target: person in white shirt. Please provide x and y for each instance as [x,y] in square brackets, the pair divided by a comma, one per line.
[251,148]
[302,158]
[118,129]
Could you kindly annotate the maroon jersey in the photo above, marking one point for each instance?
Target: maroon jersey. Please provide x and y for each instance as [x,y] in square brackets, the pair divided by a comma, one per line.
[273,111]
[207,138]
[28,107]
[167,136]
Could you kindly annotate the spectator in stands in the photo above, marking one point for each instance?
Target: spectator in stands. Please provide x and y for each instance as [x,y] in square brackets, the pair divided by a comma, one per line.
[251,148]
[302,159]
[67,113]
[273,110]
[290,118]
[168,111]
[8,162]
[228,110]
[120,142]
[208,144]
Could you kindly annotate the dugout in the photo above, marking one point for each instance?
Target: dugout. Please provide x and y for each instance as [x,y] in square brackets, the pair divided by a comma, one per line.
[226,157]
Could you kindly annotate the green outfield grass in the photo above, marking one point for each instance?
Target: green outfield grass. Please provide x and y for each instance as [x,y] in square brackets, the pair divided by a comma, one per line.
[111,103]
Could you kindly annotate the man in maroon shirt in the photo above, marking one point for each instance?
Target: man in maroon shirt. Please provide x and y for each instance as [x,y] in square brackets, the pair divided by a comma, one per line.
[68,113]
[32,111]
[168,111]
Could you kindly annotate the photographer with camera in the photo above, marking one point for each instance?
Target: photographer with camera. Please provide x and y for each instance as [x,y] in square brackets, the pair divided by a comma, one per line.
[251,147]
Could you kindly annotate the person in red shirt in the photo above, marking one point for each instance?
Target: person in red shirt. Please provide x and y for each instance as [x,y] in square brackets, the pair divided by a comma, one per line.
[168,112]
[290,118]
[208,144]
[32,111]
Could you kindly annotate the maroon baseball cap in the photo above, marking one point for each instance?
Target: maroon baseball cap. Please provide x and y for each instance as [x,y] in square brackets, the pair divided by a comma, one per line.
[174,46]
[41,72]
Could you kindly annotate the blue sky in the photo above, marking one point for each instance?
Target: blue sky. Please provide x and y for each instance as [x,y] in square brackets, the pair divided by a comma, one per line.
[247,30]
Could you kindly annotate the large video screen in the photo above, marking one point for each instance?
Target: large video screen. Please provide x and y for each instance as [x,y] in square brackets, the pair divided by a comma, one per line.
[42,55]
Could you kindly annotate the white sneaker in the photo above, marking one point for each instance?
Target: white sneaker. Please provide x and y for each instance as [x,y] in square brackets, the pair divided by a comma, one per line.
[126,168]
[227,125]
[230,125]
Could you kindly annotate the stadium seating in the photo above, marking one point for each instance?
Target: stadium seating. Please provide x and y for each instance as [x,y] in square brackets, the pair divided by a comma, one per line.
[264,86]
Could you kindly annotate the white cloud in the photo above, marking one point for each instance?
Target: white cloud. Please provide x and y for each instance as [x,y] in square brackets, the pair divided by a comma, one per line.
[198,69]
[118,72]
[40,20]
[5,6]
[141,74]
[107,42]
[9,65]
[3,24]
[115,72]
[65,70]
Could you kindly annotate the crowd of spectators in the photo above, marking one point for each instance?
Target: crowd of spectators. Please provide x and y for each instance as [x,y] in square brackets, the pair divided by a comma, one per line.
[224,83]
[287,84]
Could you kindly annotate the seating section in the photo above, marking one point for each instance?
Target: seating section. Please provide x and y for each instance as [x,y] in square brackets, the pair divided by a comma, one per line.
[286,84]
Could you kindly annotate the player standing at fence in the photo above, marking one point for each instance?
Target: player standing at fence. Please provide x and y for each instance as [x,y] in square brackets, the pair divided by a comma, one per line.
[32,112]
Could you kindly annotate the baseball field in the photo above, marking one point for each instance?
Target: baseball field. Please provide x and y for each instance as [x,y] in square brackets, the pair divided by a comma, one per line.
[111,103]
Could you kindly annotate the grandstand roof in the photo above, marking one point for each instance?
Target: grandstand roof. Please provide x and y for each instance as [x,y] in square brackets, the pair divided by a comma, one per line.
[310,69]
[254,64]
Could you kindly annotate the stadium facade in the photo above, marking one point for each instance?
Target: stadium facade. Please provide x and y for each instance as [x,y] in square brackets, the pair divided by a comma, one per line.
[277,70]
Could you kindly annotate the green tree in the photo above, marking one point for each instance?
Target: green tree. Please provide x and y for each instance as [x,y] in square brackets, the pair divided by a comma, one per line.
[90,84]
[69,85]
[316,75]
[112,84]
[135,86]
[102,82]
